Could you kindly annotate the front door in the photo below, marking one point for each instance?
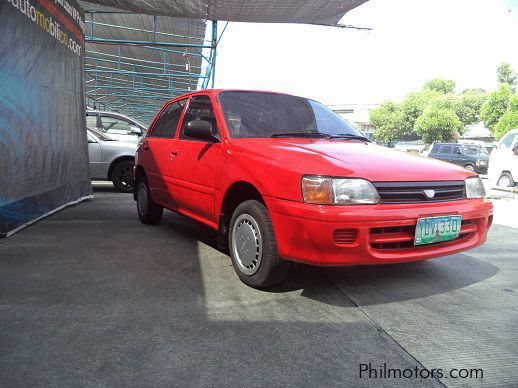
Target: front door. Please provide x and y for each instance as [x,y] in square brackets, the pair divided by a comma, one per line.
[194,163]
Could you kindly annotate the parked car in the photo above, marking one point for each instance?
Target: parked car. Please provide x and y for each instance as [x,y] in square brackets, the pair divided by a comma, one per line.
[116,125]
[111,160]
[503,162]
[283,178]
[470,156]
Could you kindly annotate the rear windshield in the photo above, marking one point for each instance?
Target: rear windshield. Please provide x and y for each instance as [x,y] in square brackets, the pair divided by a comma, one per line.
[260,114]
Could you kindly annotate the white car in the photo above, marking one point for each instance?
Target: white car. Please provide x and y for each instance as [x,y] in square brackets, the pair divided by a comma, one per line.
[116,125]
[503,161]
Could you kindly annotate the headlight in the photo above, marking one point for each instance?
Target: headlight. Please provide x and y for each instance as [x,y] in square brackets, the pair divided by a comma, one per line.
[328,191]
[475,188]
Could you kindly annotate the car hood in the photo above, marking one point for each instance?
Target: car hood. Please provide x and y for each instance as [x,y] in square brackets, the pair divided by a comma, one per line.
[347,158]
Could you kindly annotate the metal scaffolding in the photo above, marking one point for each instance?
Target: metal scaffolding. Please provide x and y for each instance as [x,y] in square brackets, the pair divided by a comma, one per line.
[135,63]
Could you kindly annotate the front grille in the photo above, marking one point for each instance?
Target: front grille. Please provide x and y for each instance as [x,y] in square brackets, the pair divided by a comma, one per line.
[344,236]
[402,237]
[414,192]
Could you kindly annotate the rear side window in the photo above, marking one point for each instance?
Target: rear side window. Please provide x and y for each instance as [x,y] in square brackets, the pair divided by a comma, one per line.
[445,149]
[200,108]
[435,149]
[91,120]
[167,123]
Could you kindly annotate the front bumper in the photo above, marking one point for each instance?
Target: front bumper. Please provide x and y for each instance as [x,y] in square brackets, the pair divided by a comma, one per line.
[383,232]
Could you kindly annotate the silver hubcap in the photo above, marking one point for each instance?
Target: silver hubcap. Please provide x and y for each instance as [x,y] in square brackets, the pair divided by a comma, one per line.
[247,244]
[504,181]
[470,168]
[142,199]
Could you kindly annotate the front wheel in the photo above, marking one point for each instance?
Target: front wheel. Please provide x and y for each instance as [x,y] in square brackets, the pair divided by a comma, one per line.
[470,167]
[253,247]
[122,176]
[505,180]
[149,212]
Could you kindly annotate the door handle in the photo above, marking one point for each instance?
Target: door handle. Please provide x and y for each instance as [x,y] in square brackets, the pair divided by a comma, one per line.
[174,152]
[145,147]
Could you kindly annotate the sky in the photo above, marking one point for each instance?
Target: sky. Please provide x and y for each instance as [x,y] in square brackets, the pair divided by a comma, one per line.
[411,41]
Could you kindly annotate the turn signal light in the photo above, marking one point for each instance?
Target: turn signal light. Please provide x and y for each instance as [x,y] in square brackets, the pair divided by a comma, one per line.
[317,190]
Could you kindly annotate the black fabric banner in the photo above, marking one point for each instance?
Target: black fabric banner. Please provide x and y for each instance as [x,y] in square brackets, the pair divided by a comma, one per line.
[43,145]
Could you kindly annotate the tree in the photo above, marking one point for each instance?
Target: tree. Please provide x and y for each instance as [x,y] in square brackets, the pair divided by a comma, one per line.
[388,120]
[413,106]
[440,85]
[496,106]
[467,106]
[509,120]
[438,124]
[506,75]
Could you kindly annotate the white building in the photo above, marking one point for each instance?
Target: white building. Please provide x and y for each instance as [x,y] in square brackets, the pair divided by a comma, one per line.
[357,115]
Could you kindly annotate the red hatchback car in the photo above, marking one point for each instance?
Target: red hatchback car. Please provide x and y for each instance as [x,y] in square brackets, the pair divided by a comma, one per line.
[283,178]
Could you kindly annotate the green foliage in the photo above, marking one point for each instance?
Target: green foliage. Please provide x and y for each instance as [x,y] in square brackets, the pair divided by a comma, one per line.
[443,86]
[496,106]
[509,120]
[506,75]
[388,120]
[467,106]
[413,106]
[438,124]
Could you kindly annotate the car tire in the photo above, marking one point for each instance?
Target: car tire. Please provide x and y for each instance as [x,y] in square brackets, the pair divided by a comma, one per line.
[505,180]
[470,167]
[253,247]
[148,211]
[122,176]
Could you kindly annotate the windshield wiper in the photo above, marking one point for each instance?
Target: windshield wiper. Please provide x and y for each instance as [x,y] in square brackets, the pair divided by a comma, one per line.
[348,136]
[301,134]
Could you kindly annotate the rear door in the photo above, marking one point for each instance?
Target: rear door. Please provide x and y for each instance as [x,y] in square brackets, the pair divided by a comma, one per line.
[444,152]
[155,152]
[95,156]
[194,163]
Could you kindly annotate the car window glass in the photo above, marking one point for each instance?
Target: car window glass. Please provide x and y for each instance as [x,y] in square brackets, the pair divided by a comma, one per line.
[472,150]
[115,125]
[445,149]
[166,125]
[200,108]
[259,115]
[508,140]
[435,148]
[91,120]
[456,150]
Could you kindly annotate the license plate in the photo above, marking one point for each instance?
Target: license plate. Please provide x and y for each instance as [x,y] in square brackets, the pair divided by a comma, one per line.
[436,229]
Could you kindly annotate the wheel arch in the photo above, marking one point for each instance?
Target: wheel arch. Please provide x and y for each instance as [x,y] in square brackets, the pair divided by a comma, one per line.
[236,193]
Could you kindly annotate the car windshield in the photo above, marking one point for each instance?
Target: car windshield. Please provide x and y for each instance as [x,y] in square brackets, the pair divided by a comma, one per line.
[474,150]
[262,115]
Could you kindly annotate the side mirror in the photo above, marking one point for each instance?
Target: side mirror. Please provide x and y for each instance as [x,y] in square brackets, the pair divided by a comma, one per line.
[515,149]
[200,129]
[136,130]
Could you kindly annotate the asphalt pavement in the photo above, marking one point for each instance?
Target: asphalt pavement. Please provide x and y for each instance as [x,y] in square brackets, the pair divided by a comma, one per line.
[91,297]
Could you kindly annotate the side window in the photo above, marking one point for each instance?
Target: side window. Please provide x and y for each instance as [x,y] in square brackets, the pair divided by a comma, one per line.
[445,149]
[435,149]
[91,121]
[200,108]
[456,150]
[167,123]
[115,125]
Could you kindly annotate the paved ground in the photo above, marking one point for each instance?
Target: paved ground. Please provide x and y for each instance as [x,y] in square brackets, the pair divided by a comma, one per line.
[90,296]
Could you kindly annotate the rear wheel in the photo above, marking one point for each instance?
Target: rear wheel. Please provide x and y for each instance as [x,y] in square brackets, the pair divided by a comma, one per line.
[505,180]
[149,212]
[122,176]
[253,247]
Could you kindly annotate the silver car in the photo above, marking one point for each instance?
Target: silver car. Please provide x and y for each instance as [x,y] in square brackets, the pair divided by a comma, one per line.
[111,160]
[116,125]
